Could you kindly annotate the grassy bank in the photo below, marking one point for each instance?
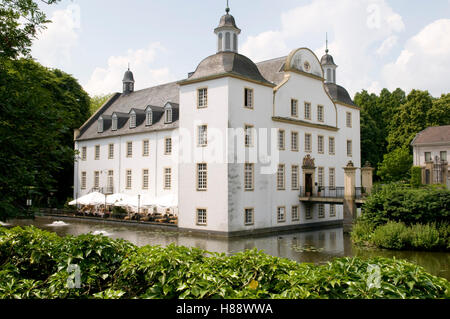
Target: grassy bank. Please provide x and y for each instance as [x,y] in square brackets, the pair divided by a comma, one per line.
[35,263]
[399,217]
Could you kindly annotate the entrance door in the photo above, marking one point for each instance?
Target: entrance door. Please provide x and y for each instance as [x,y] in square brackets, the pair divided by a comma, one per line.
[427,177]
[308,184]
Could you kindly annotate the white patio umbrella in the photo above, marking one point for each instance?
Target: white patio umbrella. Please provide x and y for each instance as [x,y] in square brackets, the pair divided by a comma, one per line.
[167,201]
[116,198]
[94,198]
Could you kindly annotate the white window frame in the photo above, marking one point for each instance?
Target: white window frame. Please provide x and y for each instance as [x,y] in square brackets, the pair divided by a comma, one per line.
[129,149]
[294,141]
[97,152]
[295,177]
[249,216]
[167,178]
[281,214]
[145,178]
[167,146]
[331,145]
[349,148]
[281,177]
[320,113]
[202,98]
[146,148]
[128,179]
[307,111]
[295,216]
[308,142]
[281,140]
[249,177]
[202,135]
[201,218]
[249,98]
[294,107]
[202,177]
[83,180]
[320,144]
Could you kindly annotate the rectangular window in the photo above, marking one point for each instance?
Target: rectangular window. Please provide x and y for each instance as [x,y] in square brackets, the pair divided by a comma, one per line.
[294,212]
[202,132]
[349,148]
[281,214]
[321,211]
[145,148]
[332,178]
[96,179]
[168,114]
[443,156]
[280,177]
[110,182]
[294,142]
[202,98]
[307,111]
[97,152]
[111,151]
[168,146]
[83,180]
[308,212]
[249,170]
[320,144]
[201,216]
[248,103]
[202,177]
[294,177]
[167,178]
[129,149]
[249,135]
[320,117]
[145,179]
[294,108]
[308,146]
[281,139]
[349,119]
[331,146]
[332,210]
[427,156]
[249,216]
[320,176]
[128,179]
[83,153]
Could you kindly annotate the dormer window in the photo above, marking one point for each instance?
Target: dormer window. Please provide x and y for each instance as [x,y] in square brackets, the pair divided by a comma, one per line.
[100,125]
[148,117]
[168,116]
[133,119]
[114,123]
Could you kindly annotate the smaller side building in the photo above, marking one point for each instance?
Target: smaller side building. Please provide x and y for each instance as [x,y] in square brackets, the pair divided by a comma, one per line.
[431,148]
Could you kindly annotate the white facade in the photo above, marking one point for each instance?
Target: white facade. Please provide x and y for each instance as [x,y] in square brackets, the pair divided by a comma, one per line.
[234,102]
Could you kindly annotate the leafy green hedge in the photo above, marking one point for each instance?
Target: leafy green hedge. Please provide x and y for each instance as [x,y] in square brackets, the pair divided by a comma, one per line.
[34,263]
[400,203]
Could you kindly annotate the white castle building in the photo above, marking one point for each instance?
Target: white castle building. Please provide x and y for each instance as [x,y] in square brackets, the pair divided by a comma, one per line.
[238,144]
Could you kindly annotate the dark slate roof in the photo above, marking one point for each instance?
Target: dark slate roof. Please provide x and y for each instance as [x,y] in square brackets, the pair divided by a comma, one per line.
[273,70]
[121,104]
[338,93]
[128,77]
[227,20]
[327,60]
[228,63]
[432,135]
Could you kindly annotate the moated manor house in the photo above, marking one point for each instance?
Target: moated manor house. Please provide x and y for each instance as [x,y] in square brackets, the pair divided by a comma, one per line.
[138,141]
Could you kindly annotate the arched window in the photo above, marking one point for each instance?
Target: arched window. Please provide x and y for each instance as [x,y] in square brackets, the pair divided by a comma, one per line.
[149,118]
[334,76]
[114,123]
[328,75]
[100,125]
[234,42]
[219,46]
[227,41]
[133,120]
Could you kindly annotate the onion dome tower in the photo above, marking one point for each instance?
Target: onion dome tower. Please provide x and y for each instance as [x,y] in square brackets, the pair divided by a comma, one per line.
[328,65]
[227,33]
[128,82]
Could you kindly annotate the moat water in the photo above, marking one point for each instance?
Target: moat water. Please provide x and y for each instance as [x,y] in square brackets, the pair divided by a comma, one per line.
[318,246]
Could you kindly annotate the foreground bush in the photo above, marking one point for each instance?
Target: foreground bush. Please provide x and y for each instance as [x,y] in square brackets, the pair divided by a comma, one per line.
[118,269]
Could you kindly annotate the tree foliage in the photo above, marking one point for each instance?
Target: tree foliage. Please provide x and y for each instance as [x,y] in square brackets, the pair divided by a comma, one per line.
[97,101]
[38,111]
[20,23]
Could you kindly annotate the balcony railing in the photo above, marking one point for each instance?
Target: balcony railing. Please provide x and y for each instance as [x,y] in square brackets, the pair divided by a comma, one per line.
[329,192]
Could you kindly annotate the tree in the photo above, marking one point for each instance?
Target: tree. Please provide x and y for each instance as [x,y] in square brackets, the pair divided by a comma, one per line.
[38,111]
[396,165]
[97,101]
[20,22]
[439,114]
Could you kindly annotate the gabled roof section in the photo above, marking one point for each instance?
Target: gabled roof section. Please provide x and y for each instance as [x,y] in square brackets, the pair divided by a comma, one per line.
[433,135]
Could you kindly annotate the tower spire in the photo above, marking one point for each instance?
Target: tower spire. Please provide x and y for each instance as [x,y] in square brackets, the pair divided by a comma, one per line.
[326,35]
[227,10]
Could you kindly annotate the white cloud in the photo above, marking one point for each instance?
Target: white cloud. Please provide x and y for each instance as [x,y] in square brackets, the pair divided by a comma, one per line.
[358,29]
[109,79]
[424,63]
[54,45]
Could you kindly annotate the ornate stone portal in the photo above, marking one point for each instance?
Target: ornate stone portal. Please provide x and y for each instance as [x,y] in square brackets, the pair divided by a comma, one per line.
[309,172]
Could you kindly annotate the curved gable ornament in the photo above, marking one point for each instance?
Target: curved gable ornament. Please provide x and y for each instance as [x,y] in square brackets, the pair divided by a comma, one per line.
[304,60]
[308,162]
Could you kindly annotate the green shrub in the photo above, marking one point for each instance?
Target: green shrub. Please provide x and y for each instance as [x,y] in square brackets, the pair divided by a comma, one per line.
[113,269]
[416,176]
[393,235]
[424,236]
[397,202]
[362,232]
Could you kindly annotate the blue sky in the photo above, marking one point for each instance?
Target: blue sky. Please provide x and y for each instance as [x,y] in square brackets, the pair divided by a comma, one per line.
[376,43]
